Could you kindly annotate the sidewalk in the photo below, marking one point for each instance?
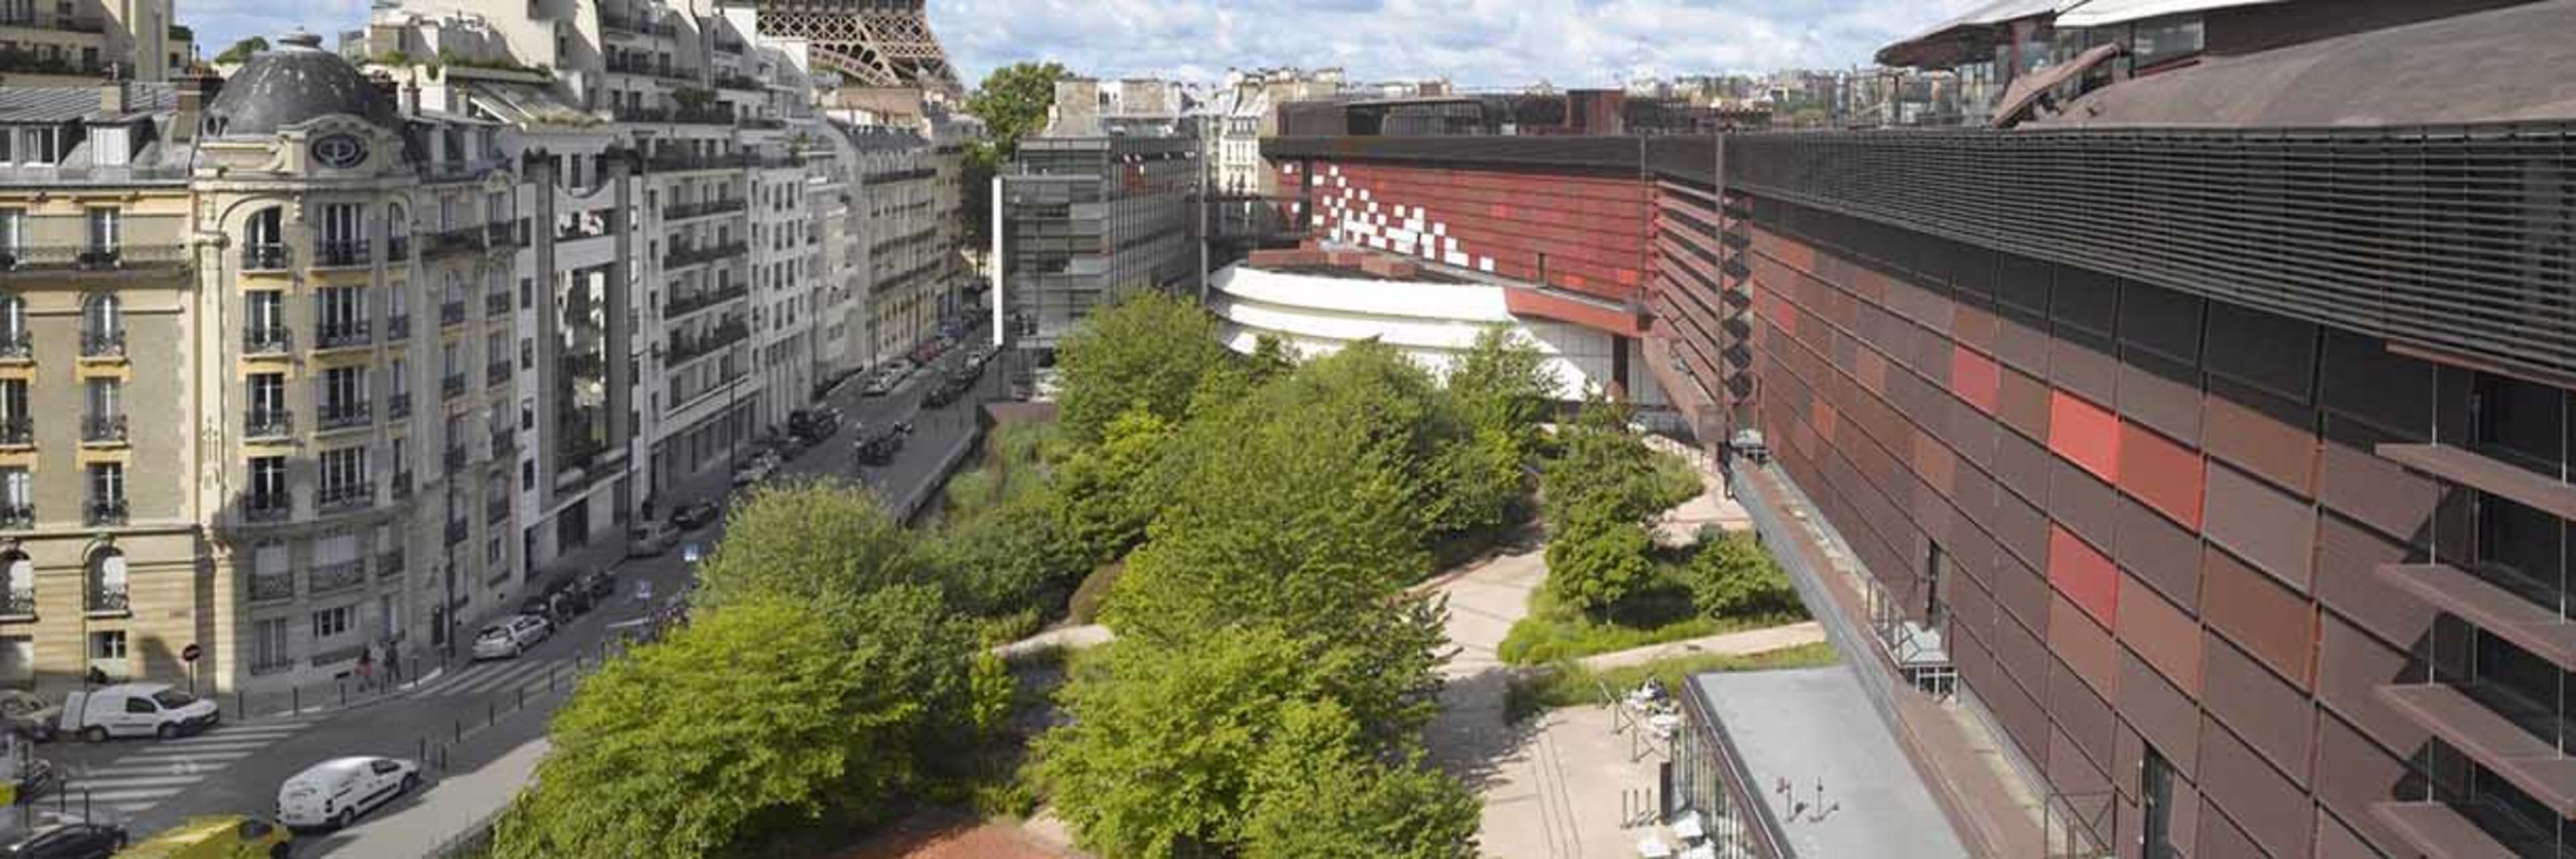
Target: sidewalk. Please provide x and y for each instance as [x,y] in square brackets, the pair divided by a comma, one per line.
[474,797]
[1744,643]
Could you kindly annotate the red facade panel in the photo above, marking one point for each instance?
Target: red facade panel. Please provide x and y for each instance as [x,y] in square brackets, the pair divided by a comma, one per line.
[2162,635]
[2085,647]
[2085,434]
[1975,378]
[2258,614]
[2084,575]
[2165,475]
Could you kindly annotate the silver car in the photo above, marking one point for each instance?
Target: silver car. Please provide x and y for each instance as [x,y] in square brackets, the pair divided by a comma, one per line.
[510,636]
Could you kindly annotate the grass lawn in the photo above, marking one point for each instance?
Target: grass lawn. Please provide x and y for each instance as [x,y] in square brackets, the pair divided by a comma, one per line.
[1659,612]
[1568,684]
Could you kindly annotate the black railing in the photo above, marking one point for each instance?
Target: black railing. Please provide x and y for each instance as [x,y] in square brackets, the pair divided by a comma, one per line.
[687,348]
[504,443]
[738,82]
[266,506]
[494,374]
[340,254]
[452,313]
[265,587]
[397,248]
[456,532]
[675,160]
[390,564]
[17,517]
[398,327]
[346,495]
[268,423]
[683,305]
[267,340]
[103,344]
[455,459]
[109,511]
[452,385]
[457,240]
[502,234]
[19,345]
[18,603]
[398,405]
[402,485]
[28,258]
[104,429]
[340,576]
[496,303]
[699,209]
[266,257]
[346,415]
[109,600]
[19,430]
[685,255]
[342,334]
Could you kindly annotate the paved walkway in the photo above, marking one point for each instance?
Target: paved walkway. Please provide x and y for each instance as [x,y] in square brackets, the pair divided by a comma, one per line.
[1744,643]
[1066,637]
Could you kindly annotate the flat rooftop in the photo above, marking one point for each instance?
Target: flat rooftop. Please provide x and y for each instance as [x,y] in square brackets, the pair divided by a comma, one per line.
[1814,726]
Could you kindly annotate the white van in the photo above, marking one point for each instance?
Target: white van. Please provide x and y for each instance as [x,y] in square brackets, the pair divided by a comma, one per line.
[334,792]
[136,710]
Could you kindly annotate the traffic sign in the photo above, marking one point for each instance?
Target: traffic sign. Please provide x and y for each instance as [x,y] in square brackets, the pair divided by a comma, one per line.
[191,652]
[689,552]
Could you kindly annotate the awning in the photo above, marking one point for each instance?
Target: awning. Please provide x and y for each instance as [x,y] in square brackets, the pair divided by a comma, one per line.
[2103,13]
[2026,90]
[1949,42]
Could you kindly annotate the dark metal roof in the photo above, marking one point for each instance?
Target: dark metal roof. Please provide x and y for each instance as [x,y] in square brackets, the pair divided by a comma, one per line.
[293,83]
[2514,64]
[29,104]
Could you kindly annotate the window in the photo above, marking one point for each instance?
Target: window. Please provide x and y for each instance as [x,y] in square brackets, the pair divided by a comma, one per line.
[1935,568]
[17,489]
[106,646]
[331,622]
[268,644]
[267,397]
[2520,420]
[107,581]
[103,316]
[21,573]
[265,313]
[344,391]
[111,146]
[2155,792]
[107,483]
[106,398]
[398,378]
[343,311]
[37,146]
[16,415]
[268,482]
[13,226]
[106,228]
[17,656]
[343,470]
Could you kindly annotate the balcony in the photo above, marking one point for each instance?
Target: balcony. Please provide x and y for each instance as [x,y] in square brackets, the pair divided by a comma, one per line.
[494,374]
[459,240]
[504,443]
[17,517]
[103,429]
[390,565]
[397,248]
[398,405]
[455,459]
[497,511]
[452,312]
[452,386]
[496,303]
[402,485]
[18,603]
[17,432]
[707,114]
[109,511]
[267,587]
[340,576]
[456,532]
[685,255]
[398,328]
[728,46]
[345,496]
[699,210]
[674,160]
[686,348]
[108,600]
[266,506]
[17,346]
[341,255]
[683,305]
[346,415]
[103,344]
[260,424]
[267,340]
[740,82]
[503,234]
[267,257]
[83,259]
[343,335]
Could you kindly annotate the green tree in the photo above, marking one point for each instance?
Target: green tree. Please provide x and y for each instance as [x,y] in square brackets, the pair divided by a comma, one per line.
[684,749]
[1013,558]
[1319,794]
[240,51]
[1596,557]
[1598,458]
[1145,351]
[825,545]
[1502,383]
[1730,575]
[1013,102]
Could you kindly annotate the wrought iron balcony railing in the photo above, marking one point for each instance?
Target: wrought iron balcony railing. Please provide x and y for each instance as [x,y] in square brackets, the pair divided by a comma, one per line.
[398,405]
[452,385]
[346,415]
[266,587]
[103,344]
[17,431]
[108,511]
[390,564]
[342,334]
[85,258]
[104,429]
[268,423]
[268,340]
[494,374]
[17,517]
[340,576]
[452,313]
[109,599]
[455,459]
[346,495]
[398,328]
[267,257]
[18,602]
[17,345]
[496,303]
[683,305]
[397,248]
[266,506]
[341,254]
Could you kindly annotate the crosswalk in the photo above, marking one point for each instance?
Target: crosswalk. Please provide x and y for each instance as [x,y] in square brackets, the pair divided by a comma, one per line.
[483,678]
[137,782]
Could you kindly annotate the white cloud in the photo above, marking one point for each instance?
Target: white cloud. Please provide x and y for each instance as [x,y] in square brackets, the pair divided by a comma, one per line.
[1478,43]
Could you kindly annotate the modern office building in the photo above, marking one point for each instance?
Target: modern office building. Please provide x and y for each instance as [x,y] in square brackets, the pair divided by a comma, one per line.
[1078,219]
[2182,472]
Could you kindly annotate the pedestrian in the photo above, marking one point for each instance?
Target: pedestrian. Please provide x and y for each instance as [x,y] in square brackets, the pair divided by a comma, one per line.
[366,666]
[393,666]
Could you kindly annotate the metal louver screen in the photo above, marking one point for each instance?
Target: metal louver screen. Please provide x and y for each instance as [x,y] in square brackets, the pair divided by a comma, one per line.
[2456,239]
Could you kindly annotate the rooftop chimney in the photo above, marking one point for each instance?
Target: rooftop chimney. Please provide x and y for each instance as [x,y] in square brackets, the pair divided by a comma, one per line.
[193,91]
[411,98]
[111,98]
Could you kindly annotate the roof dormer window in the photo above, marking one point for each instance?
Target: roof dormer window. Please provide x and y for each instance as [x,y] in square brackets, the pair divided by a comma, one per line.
[111,146]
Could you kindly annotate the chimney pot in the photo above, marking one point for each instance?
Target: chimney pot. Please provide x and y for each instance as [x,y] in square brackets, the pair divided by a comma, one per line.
[111,98]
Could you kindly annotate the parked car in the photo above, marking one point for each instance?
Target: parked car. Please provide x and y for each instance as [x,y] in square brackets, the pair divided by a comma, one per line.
[600,585]
[947,392]
[814,426]
[67,841]
[510,636]
[879,447]
[879,385]
[221,837]
[334,792]
[136,710]
[691,517]
[757,469]
[560,599]
[650,539]
[28,715]
[35,777]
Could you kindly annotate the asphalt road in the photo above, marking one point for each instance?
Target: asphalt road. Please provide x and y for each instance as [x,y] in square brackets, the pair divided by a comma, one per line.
[498,707]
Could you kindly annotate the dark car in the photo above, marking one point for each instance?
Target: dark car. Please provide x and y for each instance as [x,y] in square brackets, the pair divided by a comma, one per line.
[947,392]
[36,778]
[600,585]
[68,841]
[879,447]
[691,517]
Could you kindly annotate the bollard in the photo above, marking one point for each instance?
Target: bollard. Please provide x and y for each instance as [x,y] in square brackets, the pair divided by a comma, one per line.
[344,694]
[295,697]
[491,710]
[523,698]
[423,754]
[460,730]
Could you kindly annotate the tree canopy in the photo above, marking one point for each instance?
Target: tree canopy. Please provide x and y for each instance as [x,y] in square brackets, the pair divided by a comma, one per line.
[1013,101]
[1146,351]
[241,50]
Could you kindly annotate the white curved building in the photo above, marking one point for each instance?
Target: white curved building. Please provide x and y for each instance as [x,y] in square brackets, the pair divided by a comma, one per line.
[1431,317]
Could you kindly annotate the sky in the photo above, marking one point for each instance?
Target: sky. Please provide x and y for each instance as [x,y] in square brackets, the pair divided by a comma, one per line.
[1473,43]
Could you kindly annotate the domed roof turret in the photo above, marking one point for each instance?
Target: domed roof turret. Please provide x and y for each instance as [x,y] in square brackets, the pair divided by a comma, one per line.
[296,82]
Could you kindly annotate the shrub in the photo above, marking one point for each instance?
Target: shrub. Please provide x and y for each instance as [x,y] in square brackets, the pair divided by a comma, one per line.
[1733,576]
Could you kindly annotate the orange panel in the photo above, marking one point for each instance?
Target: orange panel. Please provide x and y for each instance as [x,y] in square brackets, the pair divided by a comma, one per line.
[2165,475]
[2084,575]
[2085,434]
[1975,378]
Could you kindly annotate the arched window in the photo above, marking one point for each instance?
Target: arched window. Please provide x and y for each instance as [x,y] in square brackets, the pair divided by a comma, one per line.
[264,240]
[102,325]
[397,232]
[107,581]
[19,572]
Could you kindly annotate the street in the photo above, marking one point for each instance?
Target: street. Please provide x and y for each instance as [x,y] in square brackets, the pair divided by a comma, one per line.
[490,717]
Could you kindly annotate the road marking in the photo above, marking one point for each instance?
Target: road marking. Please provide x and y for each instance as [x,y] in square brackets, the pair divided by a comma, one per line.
[153,774]
[498,677]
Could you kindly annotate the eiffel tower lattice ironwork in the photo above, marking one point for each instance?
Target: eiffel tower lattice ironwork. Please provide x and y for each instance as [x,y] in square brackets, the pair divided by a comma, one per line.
[870,42]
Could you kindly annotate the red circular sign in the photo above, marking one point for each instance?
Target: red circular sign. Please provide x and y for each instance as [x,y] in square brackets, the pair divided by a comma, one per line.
[191,652]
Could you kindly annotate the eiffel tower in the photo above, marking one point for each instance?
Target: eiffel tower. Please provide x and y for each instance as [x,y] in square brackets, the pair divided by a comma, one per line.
[871,43]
